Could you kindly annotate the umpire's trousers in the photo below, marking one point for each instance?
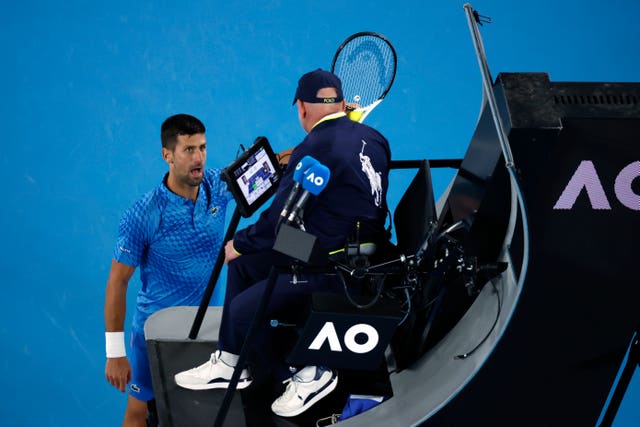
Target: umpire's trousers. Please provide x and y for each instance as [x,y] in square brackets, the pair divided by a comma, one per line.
[246,281]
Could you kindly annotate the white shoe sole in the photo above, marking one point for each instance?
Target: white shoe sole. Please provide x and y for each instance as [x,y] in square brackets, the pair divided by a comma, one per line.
[242,384]
[332,385]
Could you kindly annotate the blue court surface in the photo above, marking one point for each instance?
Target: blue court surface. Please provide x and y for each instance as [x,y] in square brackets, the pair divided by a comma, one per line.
[86,85]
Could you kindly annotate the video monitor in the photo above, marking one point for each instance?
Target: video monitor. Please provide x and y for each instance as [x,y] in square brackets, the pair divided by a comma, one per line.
[253,177]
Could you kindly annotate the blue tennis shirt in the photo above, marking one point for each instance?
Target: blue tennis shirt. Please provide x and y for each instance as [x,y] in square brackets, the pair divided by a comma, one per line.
[174,242]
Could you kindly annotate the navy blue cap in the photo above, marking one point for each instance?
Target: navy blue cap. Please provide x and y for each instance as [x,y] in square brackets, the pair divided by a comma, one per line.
[310,83]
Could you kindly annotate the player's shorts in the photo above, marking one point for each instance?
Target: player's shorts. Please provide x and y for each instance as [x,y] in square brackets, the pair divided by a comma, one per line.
[141,386]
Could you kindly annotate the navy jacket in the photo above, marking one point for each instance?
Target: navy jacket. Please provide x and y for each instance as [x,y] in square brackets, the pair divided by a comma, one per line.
[358,158]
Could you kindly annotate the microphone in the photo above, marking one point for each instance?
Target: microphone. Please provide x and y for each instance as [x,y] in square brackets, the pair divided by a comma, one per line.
[313,183]
[302,168]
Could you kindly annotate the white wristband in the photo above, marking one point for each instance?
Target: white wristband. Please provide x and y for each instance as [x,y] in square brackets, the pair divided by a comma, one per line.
[115,344]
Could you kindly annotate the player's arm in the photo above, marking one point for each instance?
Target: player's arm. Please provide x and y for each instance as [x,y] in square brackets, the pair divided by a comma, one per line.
[283,156]
[118,370]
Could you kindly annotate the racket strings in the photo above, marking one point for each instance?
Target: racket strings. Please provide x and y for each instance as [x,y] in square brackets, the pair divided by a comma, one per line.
[366,66]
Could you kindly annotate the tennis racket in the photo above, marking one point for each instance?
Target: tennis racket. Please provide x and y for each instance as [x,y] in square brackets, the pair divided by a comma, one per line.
[366,64]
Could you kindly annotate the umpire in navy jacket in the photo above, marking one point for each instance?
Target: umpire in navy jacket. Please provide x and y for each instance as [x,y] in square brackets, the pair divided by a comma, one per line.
[358,158]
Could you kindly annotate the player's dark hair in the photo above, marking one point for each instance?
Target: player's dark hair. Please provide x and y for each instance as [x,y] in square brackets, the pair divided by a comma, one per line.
[180,124]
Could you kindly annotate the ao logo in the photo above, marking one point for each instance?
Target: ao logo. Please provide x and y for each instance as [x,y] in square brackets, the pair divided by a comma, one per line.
[586,177]
[328,333]
[315,179]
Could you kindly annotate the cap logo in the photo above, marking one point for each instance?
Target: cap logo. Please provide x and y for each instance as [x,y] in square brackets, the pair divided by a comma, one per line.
[310,84]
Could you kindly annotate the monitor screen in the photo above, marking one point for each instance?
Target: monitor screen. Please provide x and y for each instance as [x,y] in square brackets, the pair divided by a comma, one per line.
[253,177]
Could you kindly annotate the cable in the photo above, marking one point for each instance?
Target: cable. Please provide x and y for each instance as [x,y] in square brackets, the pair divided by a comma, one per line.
[406,315]
[495,322]
[351,300]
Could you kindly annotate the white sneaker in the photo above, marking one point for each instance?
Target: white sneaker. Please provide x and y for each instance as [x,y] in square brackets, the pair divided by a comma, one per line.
[300,396]
[213,373]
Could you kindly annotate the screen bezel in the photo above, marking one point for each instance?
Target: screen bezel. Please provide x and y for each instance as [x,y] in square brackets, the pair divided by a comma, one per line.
[245,208]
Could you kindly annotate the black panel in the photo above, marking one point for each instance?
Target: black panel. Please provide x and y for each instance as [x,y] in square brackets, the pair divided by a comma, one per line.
[415,211]
[332,320]
[580,303]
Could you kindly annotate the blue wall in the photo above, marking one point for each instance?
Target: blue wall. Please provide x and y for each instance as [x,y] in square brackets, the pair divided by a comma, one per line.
[85,86]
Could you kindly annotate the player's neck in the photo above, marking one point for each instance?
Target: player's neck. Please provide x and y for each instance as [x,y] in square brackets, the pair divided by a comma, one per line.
[182,189]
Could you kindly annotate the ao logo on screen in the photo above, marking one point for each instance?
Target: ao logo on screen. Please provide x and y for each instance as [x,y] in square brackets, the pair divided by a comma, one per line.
[586,178]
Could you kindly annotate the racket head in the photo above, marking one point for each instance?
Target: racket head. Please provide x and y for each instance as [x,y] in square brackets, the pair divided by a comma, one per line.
[366,64]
